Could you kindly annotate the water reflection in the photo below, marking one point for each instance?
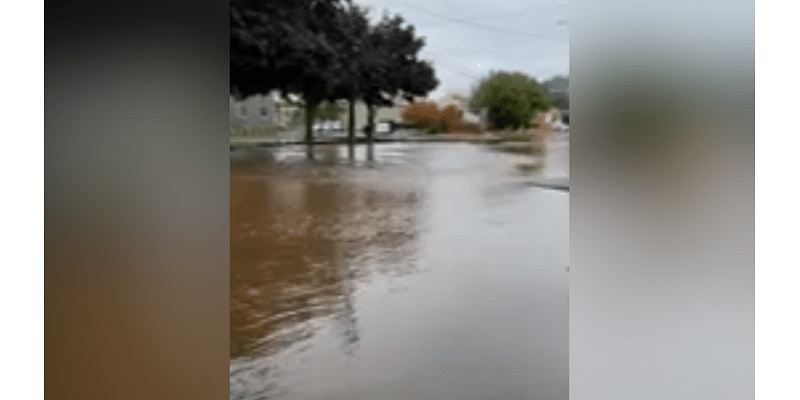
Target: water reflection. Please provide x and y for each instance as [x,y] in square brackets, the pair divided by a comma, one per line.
[301,242]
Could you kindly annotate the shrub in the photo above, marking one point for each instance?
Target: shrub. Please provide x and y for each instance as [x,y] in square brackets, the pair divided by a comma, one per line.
[510,98]
[428,117]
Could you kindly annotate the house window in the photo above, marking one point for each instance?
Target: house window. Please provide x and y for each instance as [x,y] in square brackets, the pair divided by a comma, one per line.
[244,110]
[263,110]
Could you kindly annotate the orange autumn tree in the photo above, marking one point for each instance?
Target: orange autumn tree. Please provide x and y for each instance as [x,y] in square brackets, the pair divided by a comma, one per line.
[426,115]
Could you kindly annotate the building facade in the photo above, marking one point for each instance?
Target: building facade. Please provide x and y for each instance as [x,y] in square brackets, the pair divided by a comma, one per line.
[261,111]
[558,89]
[461,103]
[383,115]
[272,110]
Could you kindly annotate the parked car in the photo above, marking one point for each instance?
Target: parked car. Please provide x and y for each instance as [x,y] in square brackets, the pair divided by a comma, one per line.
[328,126]
[383,127]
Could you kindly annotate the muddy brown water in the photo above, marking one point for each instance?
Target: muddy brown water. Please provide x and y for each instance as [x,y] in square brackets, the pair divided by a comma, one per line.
[435,272]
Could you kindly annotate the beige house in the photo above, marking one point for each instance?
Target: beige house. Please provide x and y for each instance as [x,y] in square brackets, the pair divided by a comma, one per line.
[548,120]
[545,124]
[392,114]
[261,111]
[461,103]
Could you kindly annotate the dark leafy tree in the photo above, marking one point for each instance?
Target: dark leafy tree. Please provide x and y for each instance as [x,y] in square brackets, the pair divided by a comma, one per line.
[377,64]
[285,45]
[325,50]
[352,40]
[393,67]
[329,111]
[511,98]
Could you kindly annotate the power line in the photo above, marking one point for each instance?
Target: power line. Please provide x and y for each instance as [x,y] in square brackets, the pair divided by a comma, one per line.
[462,73]
[463,53]
[526,10]
[487,27]
[452,68]
[439,61]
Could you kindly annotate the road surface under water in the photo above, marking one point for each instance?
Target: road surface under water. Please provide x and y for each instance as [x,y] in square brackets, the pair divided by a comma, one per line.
[437,271]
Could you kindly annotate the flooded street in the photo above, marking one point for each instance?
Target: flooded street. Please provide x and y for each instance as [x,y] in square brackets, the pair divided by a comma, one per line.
[435,272]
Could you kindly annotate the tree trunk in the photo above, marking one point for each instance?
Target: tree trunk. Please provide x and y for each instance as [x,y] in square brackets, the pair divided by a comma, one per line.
[370,122]
[351,126]
[311,111]
[370,131]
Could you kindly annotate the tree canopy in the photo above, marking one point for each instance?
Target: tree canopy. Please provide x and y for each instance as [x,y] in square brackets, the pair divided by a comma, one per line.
[324,50]
[397,69]
[512,99]
[283,44]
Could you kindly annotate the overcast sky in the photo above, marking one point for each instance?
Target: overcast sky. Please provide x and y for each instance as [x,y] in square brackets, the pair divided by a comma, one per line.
[466,39]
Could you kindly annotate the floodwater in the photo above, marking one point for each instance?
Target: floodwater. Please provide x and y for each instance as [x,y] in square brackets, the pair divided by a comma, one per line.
[437,271]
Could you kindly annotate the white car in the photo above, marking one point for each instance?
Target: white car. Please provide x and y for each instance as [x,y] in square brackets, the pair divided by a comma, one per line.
[383,127]
[326,126]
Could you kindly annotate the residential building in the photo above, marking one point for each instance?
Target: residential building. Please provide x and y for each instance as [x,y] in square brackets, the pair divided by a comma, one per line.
[391,115]
[558,89]
[273,110]
[269,110]
[462,104]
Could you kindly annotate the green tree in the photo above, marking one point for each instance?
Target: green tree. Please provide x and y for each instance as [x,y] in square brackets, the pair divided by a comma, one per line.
[395,67]
[352,44]
[379,64]
[329,111]
[512,99]
[285,45]
[325,50]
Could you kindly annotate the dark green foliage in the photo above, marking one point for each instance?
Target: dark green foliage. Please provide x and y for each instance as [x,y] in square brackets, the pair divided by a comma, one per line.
[379,63]
[287,45]
[398,70]
[511,98]
[329,111]
[324,50]
[282,45]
